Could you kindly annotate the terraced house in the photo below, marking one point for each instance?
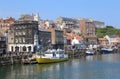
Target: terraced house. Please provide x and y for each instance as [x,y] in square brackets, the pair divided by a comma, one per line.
[23,36]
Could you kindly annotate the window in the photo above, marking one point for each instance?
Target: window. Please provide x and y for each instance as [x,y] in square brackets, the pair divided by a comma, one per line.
[30,32]
[12,48]
[24,48]
[23,40]
[24,33]
[20,33]
[16,48]
[20,41]
[29,48]
[16,27]
[16,33]
[16,40]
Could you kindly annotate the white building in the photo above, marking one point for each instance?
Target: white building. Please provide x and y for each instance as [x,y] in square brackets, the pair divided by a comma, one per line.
[75,41]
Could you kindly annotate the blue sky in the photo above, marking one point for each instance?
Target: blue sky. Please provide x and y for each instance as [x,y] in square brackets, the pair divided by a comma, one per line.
[103,10]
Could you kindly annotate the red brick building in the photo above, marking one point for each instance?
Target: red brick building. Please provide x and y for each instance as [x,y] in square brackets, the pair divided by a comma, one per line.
[87,27]
[5,24]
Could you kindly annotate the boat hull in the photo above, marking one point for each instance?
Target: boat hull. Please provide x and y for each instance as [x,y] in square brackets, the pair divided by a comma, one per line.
[106,51]
[89,54]
[48,60]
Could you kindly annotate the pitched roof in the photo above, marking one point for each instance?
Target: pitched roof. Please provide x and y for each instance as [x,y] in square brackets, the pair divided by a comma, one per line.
[90,36]
[118,38]
[102,39]
[70,36]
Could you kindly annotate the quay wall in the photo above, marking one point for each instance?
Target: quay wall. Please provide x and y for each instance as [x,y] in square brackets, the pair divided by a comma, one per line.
[16,58]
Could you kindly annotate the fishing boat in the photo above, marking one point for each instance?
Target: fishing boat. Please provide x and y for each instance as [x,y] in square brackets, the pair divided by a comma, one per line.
[89,52]
[106,50]
[51,56]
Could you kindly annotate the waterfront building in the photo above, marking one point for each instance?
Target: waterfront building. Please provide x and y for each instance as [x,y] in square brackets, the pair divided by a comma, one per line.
[103,42]
[23,36]
[87,27]
[57,38]
[70,36]
[44,37]
[110,38]
[5,24]
[73,40]
[118,39]
[2,43]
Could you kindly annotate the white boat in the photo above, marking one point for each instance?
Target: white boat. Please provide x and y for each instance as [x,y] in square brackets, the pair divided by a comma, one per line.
[106,50]
[52,56]
[90,52]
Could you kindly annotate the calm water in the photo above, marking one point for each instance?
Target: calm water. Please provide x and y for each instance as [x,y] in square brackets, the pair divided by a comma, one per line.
[90,67]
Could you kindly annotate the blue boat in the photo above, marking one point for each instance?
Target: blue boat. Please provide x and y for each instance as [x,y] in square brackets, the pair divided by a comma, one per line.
[106,50]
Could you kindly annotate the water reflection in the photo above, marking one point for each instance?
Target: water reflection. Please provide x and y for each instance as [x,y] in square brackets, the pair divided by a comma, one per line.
[89,67]
[89,58]
[111,58]
[20,72]
[51,71]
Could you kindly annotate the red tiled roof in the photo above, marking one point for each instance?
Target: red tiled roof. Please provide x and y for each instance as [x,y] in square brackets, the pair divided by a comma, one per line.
[102,39]
[118,38]
[70,36]
[90,37]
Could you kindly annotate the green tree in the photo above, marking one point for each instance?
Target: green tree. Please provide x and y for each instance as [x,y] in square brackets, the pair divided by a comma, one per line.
[109,27]
[109,30]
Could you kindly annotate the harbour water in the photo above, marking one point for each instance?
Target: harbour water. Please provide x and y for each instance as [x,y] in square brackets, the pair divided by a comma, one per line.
[105,66]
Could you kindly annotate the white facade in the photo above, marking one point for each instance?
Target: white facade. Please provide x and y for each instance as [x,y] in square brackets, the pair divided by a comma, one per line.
[11,47]
[75,41]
